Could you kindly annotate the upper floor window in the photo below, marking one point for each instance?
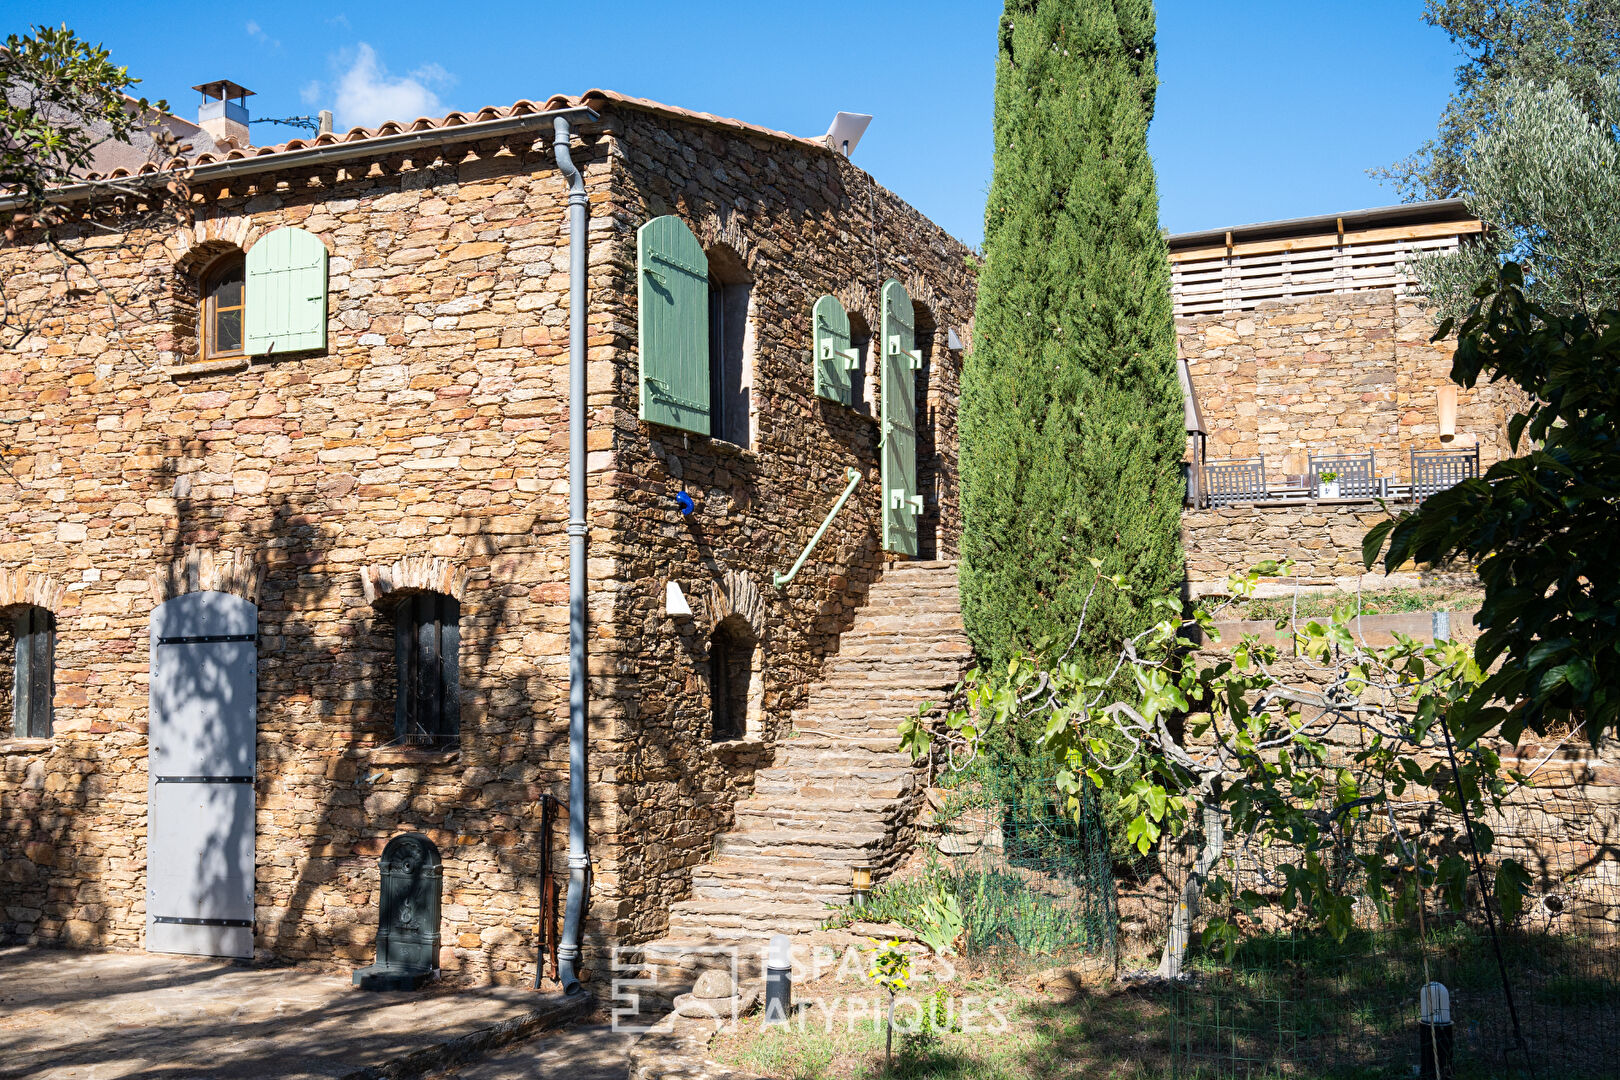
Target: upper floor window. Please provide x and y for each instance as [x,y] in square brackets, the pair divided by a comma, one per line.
[223,308]
[729,361]
[32,671]
[427,664]
[695,339]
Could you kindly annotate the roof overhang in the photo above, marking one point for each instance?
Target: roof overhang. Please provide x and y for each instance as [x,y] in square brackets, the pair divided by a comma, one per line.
[1434,211]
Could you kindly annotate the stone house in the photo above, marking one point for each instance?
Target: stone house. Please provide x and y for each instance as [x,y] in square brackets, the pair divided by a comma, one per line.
[1306,353]
[287,480]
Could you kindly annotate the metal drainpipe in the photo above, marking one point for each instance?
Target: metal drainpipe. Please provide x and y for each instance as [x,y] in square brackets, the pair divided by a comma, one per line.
[579,862]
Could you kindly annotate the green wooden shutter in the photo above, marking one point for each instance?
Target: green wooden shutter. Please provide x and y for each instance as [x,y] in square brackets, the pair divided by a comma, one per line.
[830,346]
[285,305]
[672,311]
[902,505]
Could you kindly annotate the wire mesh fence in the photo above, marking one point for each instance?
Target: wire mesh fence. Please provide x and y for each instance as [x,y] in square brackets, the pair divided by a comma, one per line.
[1537,997]
[1034,880]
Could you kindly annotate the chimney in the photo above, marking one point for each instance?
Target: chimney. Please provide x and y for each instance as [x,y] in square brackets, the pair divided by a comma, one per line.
[224,114]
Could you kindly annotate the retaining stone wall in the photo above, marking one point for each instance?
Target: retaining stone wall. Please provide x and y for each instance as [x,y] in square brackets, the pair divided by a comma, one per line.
[1323,537]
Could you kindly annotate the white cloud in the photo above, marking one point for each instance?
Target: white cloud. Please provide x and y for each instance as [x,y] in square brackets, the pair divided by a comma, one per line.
[256,32]
[367,95]
[310,92]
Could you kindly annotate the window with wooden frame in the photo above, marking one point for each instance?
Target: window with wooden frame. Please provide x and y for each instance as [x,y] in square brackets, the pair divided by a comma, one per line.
[221,319]
[427,664]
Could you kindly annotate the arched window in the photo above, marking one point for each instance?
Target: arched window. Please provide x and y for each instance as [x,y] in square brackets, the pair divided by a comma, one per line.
[427,666]
[32,670]
[220,319]
[731,679]
[730,348]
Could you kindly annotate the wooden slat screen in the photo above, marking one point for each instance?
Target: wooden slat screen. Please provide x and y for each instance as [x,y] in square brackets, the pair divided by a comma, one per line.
[1208,282]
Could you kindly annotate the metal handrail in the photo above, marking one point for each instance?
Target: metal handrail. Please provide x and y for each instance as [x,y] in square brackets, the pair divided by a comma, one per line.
[780,580]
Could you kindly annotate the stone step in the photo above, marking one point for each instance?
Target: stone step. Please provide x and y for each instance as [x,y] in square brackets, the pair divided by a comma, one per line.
[882,740]
[835,761]
[901,644]
[675,961]
[747,889]
[844,848]
[924,669]
[721,914]
[889,614]
[819,815]
[864,724]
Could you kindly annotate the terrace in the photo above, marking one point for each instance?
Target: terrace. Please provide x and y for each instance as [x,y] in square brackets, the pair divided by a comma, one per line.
[1217,482]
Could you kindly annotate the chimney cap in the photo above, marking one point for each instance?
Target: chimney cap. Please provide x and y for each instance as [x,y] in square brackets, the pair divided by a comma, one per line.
[222,90]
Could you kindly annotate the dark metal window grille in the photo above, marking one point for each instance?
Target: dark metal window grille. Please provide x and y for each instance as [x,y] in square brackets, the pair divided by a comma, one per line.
[1433,471]
[1356,475]
[1235,480]
[427,647]
[34,676]
[730,660]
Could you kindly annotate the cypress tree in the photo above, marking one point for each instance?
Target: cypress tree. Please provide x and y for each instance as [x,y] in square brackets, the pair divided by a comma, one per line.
[1071,423]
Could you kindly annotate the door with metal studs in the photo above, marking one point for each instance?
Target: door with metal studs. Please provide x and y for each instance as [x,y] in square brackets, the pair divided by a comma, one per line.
[200,773]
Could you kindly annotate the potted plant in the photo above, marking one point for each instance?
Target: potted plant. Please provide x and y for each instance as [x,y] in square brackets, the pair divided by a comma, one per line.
[1327,485]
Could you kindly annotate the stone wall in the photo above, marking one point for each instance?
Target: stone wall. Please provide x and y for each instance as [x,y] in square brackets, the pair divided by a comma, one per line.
[432,423]
[1342,373]
[1323,537]
[434,427]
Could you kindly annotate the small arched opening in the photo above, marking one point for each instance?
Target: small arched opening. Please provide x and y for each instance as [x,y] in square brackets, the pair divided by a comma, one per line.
[733,680]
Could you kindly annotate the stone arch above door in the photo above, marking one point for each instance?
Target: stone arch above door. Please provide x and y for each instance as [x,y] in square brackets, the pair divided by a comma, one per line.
[413,573]
[237,571]
[30,589]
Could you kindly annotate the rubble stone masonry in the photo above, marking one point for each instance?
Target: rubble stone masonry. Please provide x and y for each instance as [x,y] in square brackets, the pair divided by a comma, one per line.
[427,445]
[1337,374]
[1342,373]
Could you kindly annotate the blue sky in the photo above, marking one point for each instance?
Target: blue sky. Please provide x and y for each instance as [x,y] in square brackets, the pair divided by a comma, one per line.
[1267,108]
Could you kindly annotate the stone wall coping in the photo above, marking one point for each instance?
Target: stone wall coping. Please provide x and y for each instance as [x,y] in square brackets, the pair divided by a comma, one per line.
[26,746]
[1280,504]
[408,755]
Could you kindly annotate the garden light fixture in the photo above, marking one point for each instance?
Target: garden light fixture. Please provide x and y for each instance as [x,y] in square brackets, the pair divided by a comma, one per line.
[860,885]
[778,980]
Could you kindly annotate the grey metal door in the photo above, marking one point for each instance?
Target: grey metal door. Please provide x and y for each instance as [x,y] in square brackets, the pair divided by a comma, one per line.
[200,769]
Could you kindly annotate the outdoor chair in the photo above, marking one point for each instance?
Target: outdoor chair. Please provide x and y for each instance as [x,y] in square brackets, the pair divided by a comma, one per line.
[1433,471]
[1355,475]
[1235,480]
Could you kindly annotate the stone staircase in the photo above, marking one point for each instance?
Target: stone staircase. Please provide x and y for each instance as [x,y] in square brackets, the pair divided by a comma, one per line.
[840,792]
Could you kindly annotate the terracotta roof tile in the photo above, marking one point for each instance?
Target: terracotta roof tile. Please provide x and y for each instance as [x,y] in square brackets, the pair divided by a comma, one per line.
[595,99]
